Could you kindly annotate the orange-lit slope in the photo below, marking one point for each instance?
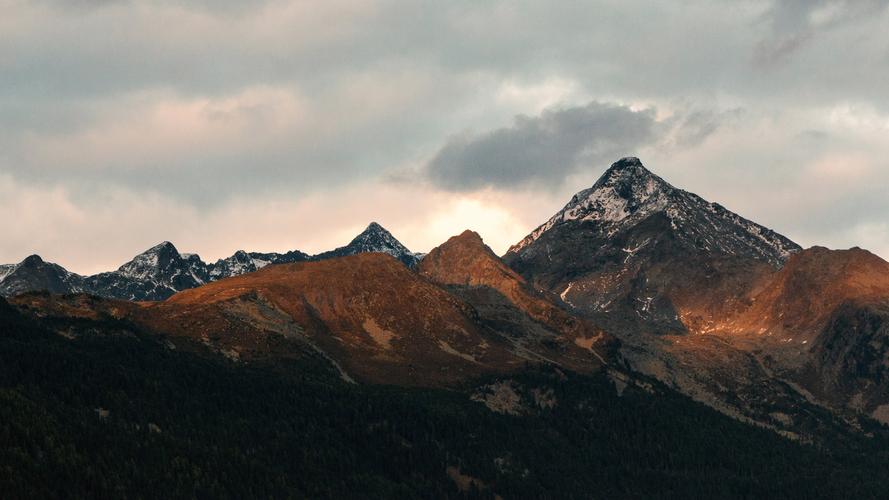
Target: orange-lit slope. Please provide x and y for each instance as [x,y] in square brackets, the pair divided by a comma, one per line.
[380,321]
[505,300]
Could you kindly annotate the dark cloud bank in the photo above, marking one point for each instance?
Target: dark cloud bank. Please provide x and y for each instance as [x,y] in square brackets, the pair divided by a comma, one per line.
[542,149]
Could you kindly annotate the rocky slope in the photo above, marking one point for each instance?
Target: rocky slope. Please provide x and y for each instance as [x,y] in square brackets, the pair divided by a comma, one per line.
[635,246]
[506,303]
[376,319]
[161,271]
[819,327]
[720,308]
[780,336]
[370,316]
[155,274]
[375,238]
[824,322]
[35,274]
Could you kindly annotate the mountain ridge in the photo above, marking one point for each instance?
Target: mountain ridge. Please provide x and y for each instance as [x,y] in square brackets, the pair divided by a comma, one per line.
[634,242]
[161,271]
[632,271]
[374,238]
[628,192]
[727,311]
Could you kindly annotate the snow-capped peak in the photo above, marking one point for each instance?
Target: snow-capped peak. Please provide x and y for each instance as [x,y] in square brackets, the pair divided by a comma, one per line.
[626,190]
[151,262]
[628,193]
[377,239]
[5,270]
[239,263]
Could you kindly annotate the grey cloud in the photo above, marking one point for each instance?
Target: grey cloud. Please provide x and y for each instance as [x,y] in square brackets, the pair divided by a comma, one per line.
[611,47]
[690,128]
[379,85]
[795,23]
[212,6]
[542,150]
[775,50]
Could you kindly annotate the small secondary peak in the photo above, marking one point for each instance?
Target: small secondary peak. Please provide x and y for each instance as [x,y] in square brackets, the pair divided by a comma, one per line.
[32,260]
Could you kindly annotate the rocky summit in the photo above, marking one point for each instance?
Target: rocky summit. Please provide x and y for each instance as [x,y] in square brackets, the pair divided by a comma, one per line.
[33,273]
[637,312]
[714,304]
[161,271]
[374,239]
[634,243]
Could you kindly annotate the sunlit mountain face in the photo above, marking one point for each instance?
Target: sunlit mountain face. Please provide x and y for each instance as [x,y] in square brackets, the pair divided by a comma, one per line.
[636,298]
[482,250]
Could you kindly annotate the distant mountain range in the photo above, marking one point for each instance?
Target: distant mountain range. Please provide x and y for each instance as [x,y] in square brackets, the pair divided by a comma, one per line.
[161,271]
[727,311]
[584,344]
[633,275]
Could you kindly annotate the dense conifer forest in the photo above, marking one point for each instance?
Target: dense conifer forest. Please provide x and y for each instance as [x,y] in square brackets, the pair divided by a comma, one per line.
[106,411]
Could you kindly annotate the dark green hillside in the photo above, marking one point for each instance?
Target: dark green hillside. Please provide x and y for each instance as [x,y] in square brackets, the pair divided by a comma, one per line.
[115,413]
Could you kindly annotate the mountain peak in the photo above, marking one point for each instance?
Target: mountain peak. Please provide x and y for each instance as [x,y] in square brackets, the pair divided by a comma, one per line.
[628,194]
[32,261]
[627,162]
[375,238]
[466,260]
[240,262]
[376,233]
[627,190]
[34,273]
[628,178]
[468,237]
[163,246]
[151,262]
[466,243]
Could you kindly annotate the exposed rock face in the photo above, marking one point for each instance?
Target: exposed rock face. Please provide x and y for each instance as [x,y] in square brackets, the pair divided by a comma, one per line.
[776,330]
[723,309]
[376,318]
[5,269]
[824,320]
[850,359]
[161,271]
[374,239]
[154,274]
[637,247]
[239,263]
[799,300]
[466,260]
[627,194]
[33,273]
[370,316]
[247,262]
[507,304]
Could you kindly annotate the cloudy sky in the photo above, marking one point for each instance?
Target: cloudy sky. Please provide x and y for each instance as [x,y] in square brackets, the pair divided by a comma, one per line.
[282,125]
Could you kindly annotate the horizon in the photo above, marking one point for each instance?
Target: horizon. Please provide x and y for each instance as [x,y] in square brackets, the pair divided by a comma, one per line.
[462,249]
[267,127]
[498,251]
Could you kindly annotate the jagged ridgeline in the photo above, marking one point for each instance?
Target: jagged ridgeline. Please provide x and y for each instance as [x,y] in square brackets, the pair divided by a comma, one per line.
[722,308]
[161,271]
[642,342]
